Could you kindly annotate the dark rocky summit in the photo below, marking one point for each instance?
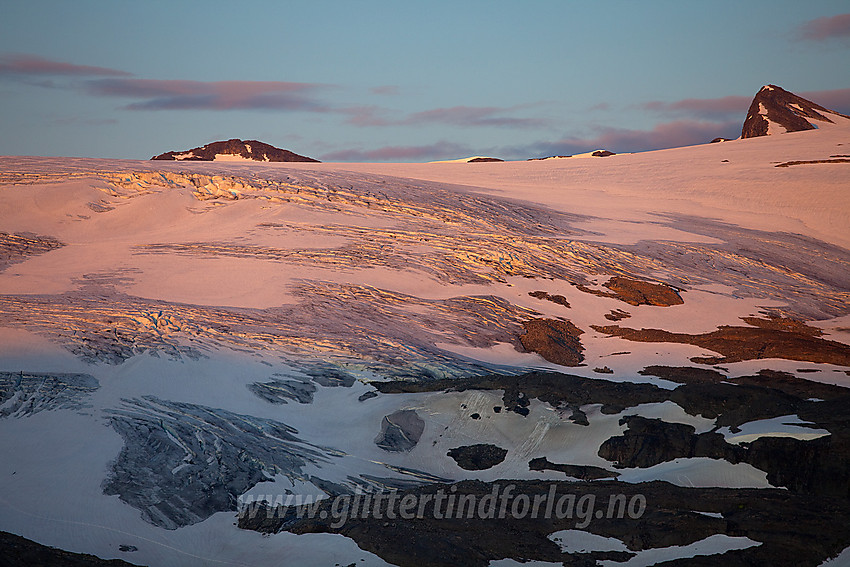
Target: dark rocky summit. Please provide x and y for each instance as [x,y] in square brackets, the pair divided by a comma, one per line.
[478,457]
[484,160]
[248,149]
[792,112]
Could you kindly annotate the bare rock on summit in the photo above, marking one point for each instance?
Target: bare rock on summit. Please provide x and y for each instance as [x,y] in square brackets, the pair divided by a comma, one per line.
[484,160]
[775,110]
[248,149]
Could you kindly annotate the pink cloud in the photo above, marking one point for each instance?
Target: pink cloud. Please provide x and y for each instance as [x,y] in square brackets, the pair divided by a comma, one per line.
[440,150]
[218,95]
[472,116]
[22,64]
[367,116]
[826,28]
[666,135]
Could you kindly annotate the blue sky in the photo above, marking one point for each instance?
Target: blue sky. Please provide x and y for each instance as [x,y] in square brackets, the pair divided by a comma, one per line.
[404,81]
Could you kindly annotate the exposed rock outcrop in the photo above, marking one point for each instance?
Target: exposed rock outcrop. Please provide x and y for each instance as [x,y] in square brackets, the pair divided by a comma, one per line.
[637,292]
[581,472]
[556,341]
[559,299]
[673,516]
[737,344]
[247,149]
[400,431]
[477,457]
[775,110]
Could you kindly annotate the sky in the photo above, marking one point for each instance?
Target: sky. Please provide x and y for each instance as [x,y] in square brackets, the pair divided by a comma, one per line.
[404,81]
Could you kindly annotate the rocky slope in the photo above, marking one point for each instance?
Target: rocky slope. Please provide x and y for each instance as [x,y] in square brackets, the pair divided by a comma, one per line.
[775,110]
[247,149]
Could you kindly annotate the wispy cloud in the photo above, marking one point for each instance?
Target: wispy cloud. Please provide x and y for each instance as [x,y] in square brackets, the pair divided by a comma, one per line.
[473,116]
[466,116]
[666,135]
[369,116]
[385,90]
[707,108]
[217,95]
[23,65]
[830,27]
[440,150]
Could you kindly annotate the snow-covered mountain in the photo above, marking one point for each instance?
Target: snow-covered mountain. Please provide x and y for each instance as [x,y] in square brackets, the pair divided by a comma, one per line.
[775,111]
[235,150]
[665,331]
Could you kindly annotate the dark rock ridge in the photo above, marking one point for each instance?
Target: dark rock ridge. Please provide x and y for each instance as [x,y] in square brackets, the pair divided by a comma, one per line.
[818,466]
[792,112]
[21,552]
[484,160]
[673,516]
[400,431]
[248,149]
[478,457]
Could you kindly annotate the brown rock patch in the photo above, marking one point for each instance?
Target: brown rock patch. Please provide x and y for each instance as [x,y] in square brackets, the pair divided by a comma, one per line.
[559,299]
[637,292]
[737,344]
[556,341]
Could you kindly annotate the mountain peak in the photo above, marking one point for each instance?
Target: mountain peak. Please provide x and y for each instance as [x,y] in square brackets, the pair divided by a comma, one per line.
[234,150]
[775,110]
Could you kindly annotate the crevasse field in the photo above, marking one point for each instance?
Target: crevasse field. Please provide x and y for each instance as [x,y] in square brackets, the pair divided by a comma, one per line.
[179,338]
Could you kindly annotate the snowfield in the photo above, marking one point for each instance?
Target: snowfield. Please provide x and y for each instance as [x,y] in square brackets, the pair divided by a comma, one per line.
[175,335]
